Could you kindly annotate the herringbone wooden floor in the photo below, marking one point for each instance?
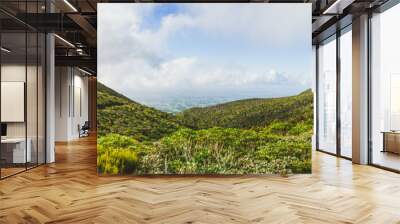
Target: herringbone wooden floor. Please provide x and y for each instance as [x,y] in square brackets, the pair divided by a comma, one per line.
[70,191]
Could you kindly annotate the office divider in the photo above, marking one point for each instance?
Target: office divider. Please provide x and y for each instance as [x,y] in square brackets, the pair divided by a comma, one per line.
[22,77]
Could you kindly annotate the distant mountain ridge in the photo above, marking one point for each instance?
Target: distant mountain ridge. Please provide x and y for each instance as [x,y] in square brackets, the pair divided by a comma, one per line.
[250,113]
[119,114]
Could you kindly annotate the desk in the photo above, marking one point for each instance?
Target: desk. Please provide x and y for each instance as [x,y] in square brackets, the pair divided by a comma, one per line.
[391,141]
[13,150]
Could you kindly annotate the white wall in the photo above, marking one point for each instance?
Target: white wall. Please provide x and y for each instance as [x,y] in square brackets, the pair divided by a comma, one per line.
[11,73]
[62,81]
[80,109]
[71,102]
[33,126]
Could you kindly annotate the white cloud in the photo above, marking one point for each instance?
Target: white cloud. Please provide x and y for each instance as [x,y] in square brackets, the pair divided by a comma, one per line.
[269,23]
[136,61]
[188,74]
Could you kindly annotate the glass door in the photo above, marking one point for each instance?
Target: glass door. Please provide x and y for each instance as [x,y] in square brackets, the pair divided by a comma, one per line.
[327,96]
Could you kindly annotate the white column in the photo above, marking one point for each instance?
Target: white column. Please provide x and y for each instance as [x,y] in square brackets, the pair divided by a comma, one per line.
[360,90]
[50,100]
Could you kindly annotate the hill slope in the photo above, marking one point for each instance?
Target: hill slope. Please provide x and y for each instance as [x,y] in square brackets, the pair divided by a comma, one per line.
[254,136]
[121,115]
[118,114]
[250,113]
[108,97]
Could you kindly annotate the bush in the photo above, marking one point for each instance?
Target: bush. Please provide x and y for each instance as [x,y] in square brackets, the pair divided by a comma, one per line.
[214,150]
[117,161]
[116,154]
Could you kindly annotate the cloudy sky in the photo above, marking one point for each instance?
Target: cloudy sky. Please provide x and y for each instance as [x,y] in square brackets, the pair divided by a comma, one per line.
[245,50]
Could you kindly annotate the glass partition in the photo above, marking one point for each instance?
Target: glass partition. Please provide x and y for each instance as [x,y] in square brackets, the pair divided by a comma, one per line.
[346,93]
[31,99]
[385,89]
[14,153]
[41,96]
[22,78]
[327,96]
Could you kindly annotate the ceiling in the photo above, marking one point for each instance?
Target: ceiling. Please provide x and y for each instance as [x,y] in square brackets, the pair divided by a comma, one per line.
[75,22]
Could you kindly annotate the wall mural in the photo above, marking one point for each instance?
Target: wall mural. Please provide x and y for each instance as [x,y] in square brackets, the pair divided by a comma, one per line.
[204,89]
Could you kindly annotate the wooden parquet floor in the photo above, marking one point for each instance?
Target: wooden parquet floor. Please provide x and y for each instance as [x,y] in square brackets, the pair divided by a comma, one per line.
[69,191]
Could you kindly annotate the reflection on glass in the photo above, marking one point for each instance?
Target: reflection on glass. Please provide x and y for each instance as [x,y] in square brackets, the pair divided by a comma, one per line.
[14,150]
[386,89]
[22,92]
[41,99]
[346,94]
[327,97]
[395,102]
[31,101]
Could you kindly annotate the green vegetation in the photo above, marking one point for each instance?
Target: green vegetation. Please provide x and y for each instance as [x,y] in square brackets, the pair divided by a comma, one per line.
[254,136]
[107,97]
[120,115]
[251,113]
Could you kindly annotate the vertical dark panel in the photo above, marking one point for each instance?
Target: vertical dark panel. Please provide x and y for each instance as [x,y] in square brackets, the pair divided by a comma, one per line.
[26,79]
[369,96]
[69,100]
[37,90]
[317,96]
[80,102]
[338,120]
[46,3]
[60,95]
[0,93]
[73,91]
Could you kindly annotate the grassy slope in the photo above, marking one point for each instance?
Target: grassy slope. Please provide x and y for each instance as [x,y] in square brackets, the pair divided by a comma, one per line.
[115,96]
[250,113]
[119,115]
[281,147]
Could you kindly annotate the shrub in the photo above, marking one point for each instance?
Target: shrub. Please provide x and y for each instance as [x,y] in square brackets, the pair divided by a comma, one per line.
[214,150]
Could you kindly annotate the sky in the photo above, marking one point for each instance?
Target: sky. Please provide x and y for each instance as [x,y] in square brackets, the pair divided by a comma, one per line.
[154,51]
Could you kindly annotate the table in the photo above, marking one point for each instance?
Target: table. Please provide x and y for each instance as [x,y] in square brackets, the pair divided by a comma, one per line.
[13,150]
[391,141]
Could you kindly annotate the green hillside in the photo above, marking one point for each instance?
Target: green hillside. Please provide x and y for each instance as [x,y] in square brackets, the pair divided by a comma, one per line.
[250,113]
[240,137]
[108,97]
[119,115]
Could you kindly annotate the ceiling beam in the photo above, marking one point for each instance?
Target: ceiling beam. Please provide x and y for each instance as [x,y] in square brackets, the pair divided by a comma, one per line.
[84,24]
[337,6]
[78,61]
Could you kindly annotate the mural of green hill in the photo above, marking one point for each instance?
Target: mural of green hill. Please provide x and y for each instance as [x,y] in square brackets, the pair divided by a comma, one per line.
[108,97]
[250,113]
[118,114]
[239,137]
